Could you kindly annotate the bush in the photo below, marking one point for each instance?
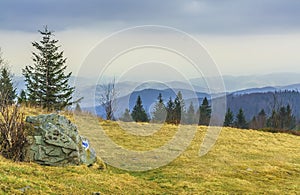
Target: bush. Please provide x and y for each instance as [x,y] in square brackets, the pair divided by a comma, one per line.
[12,133]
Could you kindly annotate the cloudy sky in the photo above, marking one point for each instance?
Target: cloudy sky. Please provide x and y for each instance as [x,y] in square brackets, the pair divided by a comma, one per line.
[242,36]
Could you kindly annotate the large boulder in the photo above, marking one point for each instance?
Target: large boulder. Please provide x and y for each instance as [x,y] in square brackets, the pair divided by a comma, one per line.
[55,142]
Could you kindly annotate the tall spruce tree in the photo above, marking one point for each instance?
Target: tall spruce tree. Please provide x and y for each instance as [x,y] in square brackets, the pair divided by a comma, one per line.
[159,113]
[170,111]
[240,120]
[204,112]
[229,118]
[179,108]
[46,81]
[138,113]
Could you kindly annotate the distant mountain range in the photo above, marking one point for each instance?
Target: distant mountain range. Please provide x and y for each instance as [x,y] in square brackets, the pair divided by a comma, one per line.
[294,87]
[232,83]
[149,97]
[248,92]
[251,101]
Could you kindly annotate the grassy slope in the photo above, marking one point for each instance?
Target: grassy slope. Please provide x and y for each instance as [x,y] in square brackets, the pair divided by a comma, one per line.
[242,161]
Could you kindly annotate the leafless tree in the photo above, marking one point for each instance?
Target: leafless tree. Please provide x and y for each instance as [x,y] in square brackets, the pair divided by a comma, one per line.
[108,96]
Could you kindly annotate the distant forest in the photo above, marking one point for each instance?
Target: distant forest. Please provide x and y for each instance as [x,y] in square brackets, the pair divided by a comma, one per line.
[253,103]
[270,111]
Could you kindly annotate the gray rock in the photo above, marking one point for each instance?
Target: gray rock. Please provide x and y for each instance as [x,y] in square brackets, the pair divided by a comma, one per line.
[23,190]
[56,142]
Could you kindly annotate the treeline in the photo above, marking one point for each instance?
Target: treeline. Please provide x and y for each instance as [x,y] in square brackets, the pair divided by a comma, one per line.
[171,112]
[281,120]
[175,112]
[253,103]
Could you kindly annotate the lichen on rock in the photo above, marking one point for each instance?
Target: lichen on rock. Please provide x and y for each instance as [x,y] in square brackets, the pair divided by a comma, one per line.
[56,142]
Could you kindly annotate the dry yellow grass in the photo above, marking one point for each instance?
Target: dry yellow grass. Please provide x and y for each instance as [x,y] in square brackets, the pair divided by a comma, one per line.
[241,162]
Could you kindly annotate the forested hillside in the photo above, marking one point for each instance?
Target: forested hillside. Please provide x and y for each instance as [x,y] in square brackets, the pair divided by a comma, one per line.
[253,103]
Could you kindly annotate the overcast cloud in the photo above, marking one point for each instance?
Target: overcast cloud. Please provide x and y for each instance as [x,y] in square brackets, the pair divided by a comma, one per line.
[242,36]
[210,16]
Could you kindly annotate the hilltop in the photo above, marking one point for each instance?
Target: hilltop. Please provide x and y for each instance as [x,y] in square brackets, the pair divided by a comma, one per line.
[242,161]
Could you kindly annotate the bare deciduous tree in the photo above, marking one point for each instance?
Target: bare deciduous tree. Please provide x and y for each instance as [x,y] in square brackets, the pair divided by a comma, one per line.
[108,96]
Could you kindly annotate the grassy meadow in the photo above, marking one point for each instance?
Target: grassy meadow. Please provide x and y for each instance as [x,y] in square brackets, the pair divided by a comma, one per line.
[241,162]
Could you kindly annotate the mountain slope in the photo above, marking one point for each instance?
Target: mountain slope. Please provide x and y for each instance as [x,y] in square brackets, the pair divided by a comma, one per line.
[242,161]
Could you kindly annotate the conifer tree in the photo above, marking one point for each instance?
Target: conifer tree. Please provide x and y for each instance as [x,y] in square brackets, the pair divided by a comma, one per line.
[240,120]
[138,113]
[46,81]
[204,112]
[261,119]
[290,121]
[229,118]
[22,99]
[170,111]
[282,119]
[7,90]
[273,120]
[190,114]
[126,117]
[179,109]
[159,113]
[253,124]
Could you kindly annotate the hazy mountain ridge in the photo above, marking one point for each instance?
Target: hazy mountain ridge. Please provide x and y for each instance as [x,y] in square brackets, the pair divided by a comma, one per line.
[252,99]
[149,97]
[251,103]
[231,83]
[236,83]
[293,87]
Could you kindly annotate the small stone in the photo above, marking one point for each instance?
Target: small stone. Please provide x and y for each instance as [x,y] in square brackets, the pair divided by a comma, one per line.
[23,190]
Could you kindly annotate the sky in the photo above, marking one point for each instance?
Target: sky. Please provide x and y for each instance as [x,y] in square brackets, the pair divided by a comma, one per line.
[243,37]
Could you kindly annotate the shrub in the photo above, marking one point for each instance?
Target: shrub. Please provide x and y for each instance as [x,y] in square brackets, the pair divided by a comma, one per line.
[12,133]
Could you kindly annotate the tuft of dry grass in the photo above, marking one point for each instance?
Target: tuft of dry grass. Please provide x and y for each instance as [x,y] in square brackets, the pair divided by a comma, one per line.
[241,162]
